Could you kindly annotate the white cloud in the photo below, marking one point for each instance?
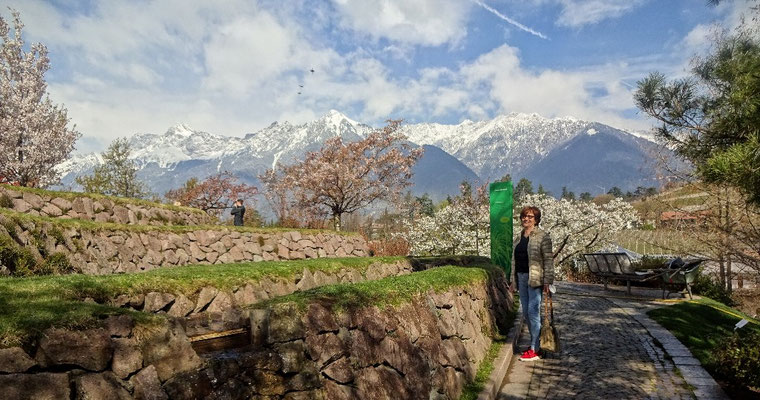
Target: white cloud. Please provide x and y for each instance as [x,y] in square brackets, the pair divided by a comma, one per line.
[233,67]
[423,22]
[577,13]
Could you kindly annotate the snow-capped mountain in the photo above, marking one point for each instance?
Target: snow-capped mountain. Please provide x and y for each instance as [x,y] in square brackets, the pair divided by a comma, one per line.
[168,160]
[506,144]
[552,152]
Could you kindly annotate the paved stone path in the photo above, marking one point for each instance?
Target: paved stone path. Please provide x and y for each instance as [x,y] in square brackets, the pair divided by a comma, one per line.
[608,352]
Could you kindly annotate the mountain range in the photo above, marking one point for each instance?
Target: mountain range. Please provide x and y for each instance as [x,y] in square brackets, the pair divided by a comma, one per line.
[560,152]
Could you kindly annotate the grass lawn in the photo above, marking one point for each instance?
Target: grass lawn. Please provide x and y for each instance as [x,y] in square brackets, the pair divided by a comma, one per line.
[30,305]
[391,291]
[701,325]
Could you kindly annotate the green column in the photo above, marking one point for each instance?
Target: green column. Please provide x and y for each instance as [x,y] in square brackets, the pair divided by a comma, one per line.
[500,194]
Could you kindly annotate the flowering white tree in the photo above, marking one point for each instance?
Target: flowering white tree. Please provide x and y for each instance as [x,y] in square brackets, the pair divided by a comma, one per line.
[344,177]
[577,227]
[461,227]
[34,136]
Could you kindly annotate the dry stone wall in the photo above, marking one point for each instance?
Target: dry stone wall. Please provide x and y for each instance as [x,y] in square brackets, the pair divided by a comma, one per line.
[101,209]
[213,310]
[103,251]
[425,349]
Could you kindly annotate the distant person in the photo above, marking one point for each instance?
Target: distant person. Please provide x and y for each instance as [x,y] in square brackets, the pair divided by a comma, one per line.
[533,266]
[238,211]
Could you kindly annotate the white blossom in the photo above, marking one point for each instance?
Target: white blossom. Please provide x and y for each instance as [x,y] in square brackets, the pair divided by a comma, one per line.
[34,136]
[578,227]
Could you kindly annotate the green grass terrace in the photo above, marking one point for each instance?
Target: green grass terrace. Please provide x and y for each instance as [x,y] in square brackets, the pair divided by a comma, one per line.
[30,305]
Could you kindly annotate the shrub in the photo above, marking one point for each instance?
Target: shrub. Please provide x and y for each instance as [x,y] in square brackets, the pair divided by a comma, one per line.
[6,201]
[649,262]
[738,358]
[388,247]
[56,264]
[707,287]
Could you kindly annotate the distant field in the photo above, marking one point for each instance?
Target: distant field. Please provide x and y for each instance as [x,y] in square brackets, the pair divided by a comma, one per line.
[657,242]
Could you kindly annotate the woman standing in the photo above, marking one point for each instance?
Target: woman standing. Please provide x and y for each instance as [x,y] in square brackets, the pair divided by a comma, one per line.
[533,266]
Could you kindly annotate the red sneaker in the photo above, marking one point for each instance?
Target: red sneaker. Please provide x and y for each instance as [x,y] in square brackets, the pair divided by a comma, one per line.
[529,355]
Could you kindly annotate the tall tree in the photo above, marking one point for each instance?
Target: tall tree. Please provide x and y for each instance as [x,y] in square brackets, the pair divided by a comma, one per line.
[117,176]
[567,194]
[425,205]
[34,133]
[213,194]
[712,119]
[615,192]
[523,187]
[344,177]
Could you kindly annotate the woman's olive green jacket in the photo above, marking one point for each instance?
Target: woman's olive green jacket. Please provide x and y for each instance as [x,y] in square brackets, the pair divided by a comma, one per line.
[540,258]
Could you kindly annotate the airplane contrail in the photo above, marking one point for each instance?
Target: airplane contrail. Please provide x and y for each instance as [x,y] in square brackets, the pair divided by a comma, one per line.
[510,20]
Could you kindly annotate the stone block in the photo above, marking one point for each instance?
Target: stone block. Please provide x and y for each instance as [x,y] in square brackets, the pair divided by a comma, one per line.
[205,297]
[222,302]
[120,325]
[90,349]
[182,307]
[127,357]
[147,385]
[42,386]
[285,323]
[155,301]
[103,386]
[170,352]
[33,199]
[14,359]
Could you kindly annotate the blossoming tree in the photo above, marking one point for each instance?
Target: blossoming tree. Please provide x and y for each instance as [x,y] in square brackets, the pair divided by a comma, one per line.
[461,227]
[577,227]
[34,136]
[345,177]
[212,194]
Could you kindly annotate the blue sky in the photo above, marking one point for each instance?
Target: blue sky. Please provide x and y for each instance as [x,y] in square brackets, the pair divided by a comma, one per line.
[232,67]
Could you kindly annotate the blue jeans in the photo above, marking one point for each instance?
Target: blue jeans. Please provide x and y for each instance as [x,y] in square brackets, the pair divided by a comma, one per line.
[530,301]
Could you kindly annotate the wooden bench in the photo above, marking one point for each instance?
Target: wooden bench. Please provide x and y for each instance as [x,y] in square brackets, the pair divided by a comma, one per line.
[617,266]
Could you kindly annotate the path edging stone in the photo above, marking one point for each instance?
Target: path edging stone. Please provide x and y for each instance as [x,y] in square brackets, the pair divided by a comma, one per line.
[503,360]
[692,371]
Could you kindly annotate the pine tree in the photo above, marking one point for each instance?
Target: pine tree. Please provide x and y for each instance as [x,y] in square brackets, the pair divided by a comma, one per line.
[712,119]
[524,187]
[34,136]
[117,176]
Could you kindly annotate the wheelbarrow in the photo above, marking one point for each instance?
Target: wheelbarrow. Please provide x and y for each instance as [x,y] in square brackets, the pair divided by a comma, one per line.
[678,275]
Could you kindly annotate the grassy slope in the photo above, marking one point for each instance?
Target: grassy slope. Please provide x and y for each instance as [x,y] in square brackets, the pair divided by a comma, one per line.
[701,325]
[29,305]
[390,291]
[117,200]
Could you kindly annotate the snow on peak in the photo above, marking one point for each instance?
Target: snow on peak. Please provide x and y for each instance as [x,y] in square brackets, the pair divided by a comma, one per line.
[180,130]
[591,132]
[335,118]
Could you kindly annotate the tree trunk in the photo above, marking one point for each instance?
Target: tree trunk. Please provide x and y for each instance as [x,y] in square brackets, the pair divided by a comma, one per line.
[336,222]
